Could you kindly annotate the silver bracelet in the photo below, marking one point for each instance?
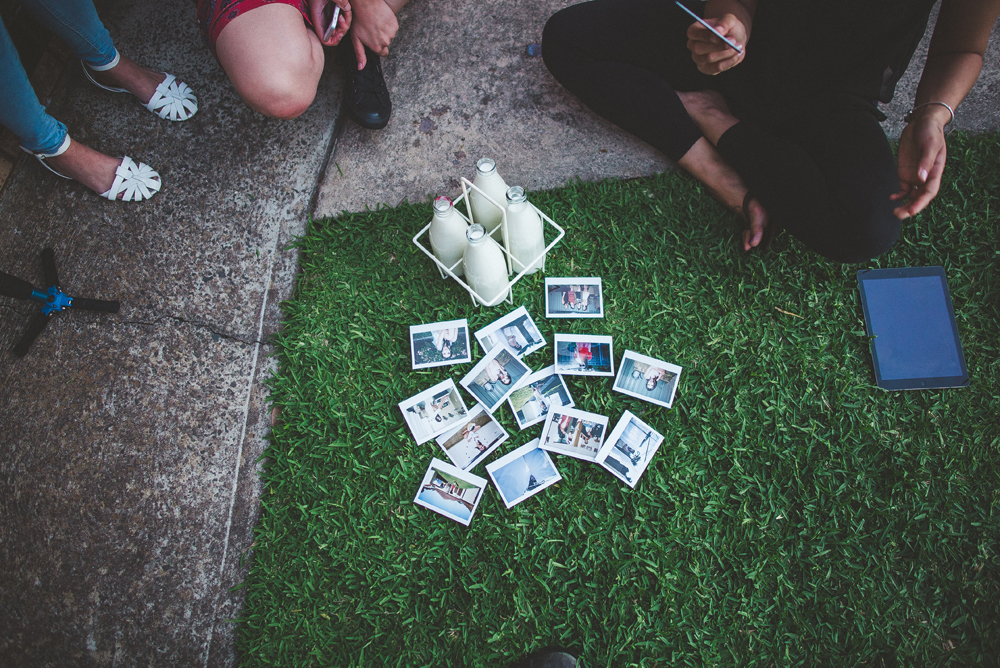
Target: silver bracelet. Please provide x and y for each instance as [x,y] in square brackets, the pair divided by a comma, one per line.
[909,114]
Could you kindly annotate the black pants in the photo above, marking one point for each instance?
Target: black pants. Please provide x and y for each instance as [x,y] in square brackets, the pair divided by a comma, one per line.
[823,171]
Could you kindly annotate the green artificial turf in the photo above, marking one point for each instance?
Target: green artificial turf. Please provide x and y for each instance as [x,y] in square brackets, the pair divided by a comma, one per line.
[795,514]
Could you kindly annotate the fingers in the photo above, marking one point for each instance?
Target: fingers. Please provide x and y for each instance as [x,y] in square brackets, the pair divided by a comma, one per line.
[359,50]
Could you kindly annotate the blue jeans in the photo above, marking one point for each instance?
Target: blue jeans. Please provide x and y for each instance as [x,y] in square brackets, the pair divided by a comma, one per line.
[77,24]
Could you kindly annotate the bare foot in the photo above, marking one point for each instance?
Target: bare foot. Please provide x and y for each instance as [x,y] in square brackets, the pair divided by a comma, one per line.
[139,81]
[91,168]
[758,225]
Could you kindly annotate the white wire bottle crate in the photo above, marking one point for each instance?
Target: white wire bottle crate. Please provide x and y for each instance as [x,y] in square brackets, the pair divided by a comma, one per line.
[446,271]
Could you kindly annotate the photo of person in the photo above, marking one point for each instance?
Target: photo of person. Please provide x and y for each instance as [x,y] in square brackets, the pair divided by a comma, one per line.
[495,376]
[516,329]
[433,411]
[575,433]
[542,391]
[629,448]
[439,343]
[473,440]
[647,378]
[574,298]
[584,355]
[523,473]
[450,491]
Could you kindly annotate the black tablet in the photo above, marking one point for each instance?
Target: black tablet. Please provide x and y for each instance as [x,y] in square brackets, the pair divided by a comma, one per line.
[911,322]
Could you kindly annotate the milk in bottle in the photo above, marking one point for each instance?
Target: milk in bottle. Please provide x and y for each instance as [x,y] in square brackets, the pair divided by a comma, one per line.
[489,182]
[448,240]
[526,238]
[485,266]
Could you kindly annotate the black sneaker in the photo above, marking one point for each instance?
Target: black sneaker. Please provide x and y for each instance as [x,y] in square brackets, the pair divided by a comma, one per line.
[366,98]
[550,657]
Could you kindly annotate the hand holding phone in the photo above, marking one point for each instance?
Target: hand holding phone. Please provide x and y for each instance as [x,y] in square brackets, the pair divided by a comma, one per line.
[330,15]
[733,45]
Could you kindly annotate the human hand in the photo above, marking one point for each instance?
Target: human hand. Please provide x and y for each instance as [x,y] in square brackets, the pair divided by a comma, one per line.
[922,153]
[375,26]
[316,8]
[710,53]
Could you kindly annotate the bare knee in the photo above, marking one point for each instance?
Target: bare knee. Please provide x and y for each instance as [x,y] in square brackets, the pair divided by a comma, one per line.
[273,60]
[283,94]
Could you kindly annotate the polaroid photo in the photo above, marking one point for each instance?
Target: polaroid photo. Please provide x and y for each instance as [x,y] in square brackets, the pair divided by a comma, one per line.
[647,378]
[539,393]
[495,376]
[516,329]
[473,440]
[575,433]
[574,297]
[629,448]
[434,411]
[584,355]
[523,473]
[450,491]
[440,343]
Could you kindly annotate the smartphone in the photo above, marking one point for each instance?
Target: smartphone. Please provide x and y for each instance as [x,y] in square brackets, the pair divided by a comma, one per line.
[330,17]
[718,34]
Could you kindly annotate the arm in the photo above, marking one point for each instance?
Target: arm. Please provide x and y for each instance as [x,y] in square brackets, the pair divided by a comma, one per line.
[954,60]
[732,18]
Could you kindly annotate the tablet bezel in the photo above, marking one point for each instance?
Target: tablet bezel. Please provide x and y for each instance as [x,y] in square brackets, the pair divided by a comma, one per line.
[912,383]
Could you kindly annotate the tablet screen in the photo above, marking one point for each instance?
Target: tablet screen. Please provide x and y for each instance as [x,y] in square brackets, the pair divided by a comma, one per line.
[911,322]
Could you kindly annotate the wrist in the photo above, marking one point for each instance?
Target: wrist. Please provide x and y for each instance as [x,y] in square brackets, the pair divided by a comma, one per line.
[938,112]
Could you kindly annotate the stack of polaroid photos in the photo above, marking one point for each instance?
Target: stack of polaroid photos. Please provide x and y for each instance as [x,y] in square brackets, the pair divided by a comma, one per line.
[469,436]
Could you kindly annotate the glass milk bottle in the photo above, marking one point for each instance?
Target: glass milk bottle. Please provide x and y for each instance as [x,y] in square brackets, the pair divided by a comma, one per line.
[485,266]
[490,183]
[526,237]
[447,234]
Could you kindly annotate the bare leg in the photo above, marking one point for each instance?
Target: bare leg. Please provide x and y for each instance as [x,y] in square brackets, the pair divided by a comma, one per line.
[139,81]
[82,163]
[273,59]
[710,113]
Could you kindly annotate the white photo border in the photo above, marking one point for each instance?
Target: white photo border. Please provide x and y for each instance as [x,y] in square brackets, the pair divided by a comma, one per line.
[517,454]
[613,437]
[574,280]
[537,376]
[579,415]
[467,381]
[501,322]
[582,338]
[473,413]
[424,395]
[465,476]
[652,361]
[433,326]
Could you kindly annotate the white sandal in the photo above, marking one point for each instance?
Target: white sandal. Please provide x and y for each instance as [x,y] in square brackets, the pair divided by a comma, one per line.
[134,181]
[173,99]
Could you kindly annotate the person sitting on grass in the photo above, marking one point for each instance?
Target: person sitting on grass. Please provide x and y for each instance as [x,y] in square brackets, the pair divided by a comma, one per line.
[784,129]
[77,24]
[272,51]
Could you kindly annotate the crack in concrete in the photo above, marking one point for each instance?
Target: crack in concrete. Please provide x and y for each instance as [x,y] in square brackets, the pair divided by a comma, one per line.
[199,324]
[14,310]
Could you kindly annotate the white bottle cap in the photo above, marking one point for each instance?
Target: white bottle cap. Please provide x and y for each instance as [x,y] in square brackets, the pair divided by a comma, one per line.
[475,233]
[486,165]
[516,194]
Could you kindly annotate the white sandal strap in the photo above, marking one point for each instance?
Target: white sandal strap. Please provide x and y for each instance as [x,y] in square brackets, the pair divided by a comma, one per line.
[86,71]
[173,100]
[134,182]
[63,147]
